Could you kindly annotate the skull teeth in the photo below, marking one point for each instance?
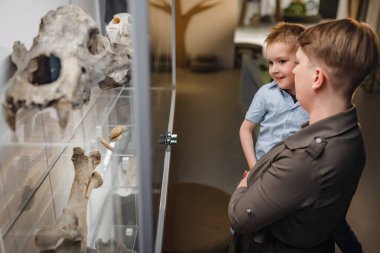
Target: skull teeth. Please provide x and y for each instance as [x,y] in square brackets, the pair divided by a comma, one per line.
[9,112]
[63,111]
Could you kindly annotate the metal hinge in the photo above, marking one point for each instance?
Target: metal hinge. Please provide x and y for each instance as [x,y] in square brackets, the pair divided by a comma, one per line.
[168,138]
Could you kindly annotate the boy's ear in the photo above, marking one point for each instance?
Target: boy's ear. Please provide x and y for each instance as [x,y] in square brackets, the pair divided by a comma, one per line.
[318,78]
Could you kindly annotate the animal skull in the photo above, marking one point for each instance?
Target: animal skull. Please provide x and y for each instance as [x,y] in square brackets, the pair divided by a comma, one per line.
[119,31]
[67,58]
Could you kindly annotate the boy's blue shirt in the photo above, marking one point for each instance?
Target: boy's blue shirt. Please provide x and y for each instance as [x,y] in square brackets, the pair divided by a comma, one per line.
[278,116]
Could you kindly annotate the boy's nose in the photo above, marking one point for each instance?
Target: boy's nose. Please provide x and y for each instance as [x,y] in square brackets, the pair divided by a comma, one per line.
[274,70]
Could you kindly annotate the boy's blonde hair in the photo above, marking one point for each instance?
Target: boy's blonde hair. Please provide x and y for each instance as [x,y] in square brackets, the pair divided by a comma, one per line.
[285,32]
[349,50]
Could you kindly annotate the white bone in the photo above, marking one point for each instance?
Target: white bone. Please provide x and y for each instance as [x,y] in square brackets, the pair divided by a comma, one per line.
[72,225]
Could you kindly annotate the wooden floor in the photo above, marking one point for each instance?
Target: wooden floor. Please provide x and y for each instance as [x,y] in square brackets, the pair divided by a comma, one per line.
[207,120]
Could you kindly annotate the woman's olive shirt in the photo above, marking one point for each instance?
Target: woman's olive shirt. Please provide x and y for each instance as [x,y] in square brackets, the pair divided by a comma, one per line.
[301,189]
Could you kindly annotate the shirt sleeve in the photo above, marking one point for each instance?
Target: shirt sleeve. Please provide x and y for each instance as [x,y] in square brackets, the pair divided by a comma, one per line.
[282,189]
[257,109]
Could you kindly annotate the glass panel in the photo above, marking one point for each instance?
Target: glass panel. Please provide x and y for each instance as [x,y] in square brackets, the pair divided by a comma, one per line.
[38,157]
[37,171]
[160,25]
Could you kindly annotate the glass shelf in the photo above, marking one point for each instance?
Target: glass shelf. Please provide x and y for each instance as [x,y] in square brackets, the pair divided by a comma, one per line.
[45,152]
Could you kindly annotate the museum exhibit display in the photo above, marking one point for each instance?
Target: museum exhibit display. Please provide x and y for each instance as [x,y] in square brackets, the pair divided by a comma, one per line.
[67,58]
[86,129]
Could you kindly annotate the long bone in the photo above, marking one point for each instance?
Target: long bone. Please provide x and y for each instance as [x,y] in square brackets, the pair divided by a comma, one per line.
[72,225]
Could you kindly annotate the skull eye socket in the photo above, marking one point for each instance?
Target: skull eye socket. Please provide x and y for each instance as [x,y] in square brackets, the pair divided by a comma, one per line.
[96,43]
[44,69]
[116,20]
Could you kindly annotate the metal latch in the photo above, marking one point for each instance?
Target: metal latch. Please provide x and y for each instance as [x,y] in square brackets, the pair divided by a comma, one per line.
[168,138]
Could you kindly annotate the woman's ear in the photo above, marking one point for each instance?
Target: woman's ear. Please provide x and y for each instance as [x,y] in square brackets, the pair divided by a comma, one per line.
[318,78]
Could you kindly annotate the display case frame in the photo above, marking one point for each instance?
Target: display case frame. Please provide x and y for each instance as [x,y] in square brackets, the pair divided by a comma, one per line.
[43,150]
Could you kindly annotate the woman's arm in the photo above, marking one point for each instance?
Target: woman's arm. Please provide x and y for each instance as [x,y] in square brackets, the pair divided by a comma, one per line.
[285,187]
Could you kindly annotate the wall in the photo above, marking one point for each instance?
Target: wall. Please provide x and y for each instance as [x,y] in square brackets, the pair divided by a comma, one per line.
[373,16]
[209,32]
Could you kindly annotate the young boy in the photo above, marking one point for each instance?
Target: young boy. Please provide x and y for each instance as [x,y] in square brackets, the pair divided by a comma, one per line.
[278,112]
[274,106]
[300,191]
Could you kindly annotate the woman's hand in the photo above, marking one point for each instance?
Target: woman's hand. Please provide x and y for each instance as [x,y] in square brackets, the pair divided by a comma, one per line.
[243,182]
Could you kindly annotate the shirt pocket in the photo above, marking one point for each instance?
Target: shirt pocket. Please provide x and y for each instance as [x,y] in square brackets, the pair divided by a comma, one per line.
[292,126]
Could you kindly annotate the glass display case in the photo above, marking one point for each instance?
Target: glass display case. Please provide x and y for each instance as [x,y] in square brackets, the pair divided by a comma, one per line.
[126,213]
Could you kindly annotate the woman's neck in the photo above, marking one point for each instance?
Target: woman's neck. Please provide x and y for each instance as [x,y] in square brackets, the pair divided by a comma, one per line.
[328,108]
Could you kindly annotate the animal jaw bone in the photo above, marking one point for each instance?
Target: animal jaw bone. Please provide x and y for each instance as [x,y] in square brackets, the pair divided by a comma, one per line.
[67,58]
[72,225]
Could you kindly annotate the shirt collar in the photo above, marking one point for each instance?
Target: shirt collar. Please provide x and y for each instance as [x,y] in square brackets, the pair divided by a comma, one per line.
[284,93]
[324,129]
[272,84]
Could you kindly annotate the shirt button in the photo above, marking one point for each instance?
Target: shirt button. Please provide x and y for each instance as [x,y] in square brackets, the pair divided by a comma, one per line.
[318,140]
[249,211]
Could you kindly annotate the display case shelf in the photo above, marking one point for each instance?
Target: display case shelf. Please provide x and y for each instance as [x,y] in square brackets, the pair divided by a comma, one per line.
[38,152]
[41,164]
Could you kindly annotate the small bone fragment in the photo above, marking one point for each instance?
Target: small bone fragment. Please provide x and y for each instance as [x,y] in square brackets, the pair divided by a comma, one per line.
[72,225]
[97,180]
[116,132]
[104,142]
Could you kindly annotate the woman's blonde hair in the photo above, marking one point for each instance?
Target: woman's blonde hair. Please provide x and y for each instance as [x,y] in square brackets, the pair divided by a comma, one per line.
[349,50]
